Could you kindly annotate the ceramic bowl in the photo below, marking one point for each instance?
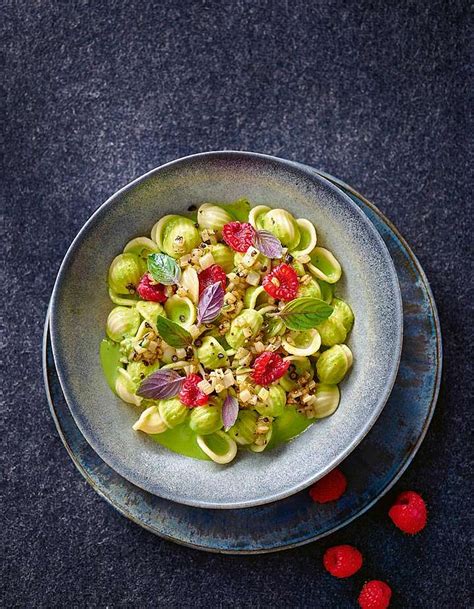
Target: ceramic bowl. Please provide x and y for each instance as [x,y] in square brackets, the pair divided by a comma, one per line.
[80,306]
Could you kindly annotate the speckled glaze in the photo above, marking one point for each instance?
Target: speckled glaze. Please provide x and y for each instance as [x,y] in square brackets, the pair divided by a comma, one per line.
[373,467]
[80,306]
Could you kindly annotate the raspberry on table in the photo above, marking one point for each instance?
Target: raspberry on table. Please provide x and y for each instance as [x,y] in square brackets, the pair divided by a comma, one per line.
[190,394]
[213,274]
[147,290]
[375,594]
[342,561]
[409,512]
[268,367]
[329,488]
[239,235]
[282,282]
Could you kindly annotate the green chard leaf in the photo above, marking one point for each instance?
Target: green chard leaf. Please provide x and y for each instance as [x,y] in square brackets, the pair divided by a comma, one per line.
[163,269]
[172,333]
[305,313]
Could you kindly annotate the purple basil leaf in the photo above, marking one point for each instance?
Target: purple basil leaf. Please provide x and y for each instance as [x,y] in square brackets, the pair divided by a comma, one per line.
[161,384]
[210,303]
[230,410]
[268,244]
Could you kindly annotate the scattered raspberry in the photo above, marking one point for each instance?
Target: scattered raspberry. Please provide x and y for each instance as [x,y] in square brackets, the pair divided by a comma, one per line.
[342,561]
[409,512]
[190,393]
[375,595]
[239,235]
[151,291]
[268,367]
[282,282]
[329,488]
[213,274]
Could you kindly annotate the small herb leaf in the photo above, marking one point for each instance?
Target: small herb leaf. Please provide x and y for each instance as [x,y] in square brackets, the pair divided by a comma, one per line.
[230,410]
[268,244]
[172,333]
[305,313]
[161,384]
[210,303]
[163,269]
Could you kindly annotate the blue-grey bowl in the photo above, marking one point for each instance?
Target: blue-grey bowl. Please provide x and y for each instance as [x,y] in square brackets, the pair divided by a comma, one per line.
[80,306]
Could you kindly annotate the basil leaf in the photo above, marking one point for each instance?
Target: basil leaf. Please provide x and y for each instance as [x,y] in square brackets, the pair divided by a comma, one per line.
[210,303]
[163,269]
[230,410]
[305,313]
[172,333]
[161,385]
[269,245]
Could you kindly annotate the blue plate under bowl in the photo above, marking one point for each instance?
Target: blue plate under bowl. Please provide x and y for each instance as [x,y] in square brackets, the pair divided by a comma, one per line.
[80,305]
[372,468]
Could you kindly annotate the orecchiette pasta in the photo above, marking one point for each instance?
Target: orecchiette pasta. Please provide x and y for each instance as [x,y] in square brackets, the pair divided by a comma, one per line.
[225,331]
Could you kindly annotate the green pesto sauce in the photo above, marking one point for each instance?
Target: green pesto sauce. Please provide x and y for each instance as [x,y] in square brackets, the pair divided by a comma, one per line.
[110,360]
[287,426]
[182,439]
[217,444]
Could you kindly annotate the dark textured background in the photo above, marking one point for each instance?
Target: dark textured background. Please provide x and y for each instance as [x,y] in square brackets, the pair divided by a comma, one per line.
[98,93]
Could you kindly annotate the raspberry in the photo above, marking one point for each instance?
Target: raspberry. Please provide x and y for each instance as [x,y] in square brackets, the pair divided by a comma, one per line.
[190,394]
[375,595]
[329,488]
[213,274]
[409,512]
[342,561]
[268,367]
[282,282]
[239,235]
[151,291]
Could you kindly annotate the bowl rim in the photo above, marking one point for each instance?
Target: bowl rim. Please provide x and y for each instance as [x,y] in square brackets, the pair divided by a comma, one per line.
[398,320]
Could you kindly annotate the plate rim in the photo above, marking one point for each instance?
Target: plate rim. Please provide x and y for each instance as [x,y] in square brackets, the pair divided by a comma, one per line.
[407,461]
[135,476]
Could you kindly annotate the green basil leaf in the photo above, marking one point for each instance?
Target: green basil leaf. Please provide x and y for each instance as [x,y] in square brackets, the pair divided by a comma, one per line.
[305,313]
[172,333]
[163,269]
